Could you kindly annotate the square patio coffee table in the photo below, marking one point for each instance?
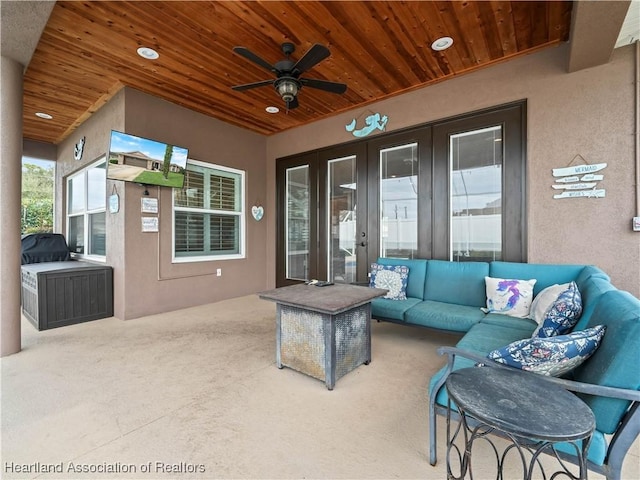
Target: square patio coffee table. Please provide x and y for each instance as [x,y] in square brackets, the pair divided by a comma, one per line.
[324,332]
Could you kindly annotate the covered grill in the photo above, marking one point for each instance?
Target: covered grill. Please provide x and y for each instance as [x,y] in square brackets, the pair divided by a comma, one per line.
[44,247]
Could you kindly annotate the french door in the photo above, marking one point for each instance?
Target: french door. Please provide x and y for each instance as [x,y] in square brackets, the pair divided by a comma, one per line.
[343,224]
[479,187]
[322,231]
[451,190]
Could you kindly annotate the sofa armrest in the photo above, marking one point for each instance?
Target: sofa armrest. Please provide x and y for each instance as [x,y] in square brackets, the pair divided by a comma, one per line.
[571,385]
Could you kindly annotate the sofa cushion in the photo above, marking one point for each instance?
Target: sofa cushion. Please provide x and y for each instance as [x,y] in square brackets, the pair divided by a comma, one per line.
[563,313]
[383,308]
[483,338]
[525,326]
[443,316]
[459,283]
[391,277]
[552,356]
[615,363]
[544,273]
[509,296]
[417,273]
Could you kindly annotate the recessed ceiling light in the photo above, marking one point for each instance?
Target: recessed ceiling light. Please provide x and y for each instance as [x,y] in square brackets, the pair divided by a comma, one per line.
[272,109]
[442,43]
[148,53]
[46,116]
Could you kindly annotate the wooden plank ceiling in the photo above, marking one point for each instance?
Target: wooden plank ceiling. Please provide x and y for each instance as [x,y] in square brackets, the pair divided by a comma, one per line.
[87,53]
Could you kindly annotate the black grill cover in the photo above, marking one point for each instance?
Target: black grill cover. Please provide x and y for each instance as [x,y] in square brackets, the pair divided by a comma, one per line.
[44,247]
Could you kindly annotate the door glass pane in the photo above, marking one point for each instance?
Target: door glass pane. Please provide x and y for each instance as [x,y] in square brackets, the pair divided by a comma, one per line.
[342,220]
[476,195]
[297,223]
[399,201]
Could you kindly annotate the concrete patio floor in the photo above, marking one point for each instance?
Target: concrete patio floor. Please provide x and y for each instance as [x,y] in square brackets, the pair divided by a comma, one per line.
[195,393]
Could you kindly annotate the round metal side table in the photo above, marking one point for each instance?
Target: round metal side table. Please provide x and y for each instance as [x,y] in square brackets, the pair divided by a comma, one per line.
[522,407]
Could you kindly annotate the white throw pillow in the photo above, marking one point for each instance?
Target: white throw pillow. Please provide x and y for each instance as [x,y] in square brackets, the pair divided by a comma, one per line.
[509,296]
[544,301]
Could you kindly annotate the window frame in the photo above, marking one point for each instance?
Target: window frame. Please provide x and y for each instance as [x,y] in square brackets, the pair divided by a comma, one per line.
[241,215]
[86,212]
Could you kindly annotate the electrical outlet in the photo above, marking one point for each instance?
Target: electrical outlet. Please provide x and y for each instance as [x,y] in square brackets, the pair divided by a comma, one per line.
[636,224]
[219,272]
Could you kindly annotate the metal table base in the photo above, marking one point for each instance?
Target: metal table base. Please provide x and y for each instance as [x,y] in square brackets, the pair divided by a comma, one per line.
[530,413]
[323,345]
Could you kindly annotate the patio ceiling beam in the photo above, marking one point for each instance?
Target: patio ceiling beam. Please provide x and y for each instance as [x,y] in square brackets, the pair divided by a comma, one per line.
[595,27]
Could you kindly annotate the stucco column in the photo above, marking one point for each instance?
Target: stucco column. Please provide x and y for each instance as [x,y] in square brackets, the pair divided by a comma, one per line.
[10,194]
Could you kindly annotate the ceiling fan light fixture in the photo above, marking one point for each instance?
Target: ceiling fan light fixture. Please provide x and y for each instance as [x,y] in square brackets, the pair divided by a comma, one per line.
[442,43]
[148,53]
[287,88]
[288,81]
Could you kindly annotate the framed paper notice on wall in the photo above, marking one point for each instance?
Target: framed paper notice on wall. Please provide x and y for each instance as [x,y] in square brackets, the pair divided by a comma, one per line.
[149,205]
[149,224]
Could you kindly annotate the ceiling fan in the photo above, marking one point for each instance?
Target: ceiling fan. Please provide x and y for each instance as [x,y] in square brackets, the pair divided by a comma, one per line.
[288,81]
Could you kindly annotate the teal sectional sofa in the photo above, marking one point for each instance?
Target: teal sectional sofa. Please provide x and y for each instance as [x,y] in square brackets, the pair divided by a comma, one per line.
[449,295]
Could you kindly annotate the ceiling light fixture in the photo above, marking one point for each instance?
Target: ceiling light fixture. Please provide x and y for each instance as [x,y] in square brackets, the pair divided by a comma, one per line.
[148,53]
[442,43]
[46,116]
[287,88]
[272,109]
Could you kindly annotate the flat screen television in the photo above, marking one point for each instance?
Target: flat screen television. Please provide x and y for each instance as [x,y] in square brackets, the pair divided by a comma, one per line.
[144,161]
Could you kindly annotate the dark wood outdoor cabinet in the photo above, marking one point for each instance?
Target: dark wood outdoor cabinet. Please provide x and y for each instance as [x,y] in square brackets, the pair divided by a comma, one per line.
[55,294]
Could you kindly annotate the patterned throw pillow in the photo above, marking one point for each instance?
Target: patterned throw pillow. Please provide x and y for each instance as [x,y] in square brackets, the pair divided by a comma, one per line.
[508,296]
[562,315]
[392,277]
[553,356]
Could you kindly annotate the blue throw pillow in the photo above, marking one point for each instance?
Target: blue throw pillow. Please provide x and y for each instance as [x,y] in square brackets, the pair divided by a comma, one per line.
[562,314]
[391,277]
[553,356]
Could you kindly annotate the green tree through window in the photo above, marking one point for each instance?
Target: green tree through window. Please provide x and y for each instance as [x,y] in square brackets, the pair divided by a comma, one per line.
[37,198]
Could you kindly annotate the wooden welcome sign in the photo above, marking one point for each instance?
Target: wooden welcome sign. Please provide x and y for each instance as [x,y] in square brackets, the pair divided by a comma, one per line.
[578,180]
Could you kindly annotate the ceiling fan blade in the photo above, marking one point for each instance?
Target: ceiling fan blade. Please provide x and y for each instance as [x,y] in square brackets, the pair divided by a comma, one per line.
[249,55]
[333,87]
[314,55]
[247,86]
